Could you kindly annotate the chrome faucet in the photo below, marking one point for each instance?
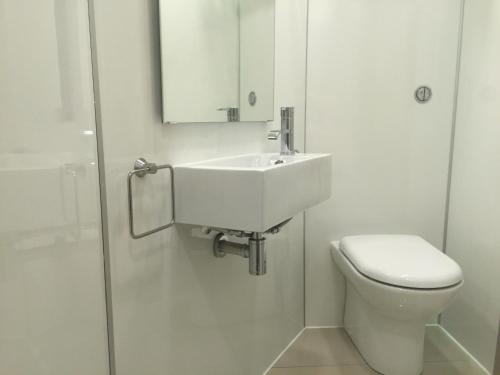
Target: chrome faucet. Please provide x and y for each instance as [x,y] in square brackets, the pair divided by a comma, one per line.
[286,132]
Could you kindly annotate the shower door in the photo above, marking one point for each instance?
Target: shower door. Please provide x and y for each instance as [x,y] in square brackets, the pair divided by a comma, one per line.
[52,301]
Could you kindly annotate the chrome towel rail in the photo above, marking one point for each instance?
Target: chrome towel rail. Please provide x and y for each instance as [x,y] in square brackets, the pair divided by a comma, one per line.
[141,169]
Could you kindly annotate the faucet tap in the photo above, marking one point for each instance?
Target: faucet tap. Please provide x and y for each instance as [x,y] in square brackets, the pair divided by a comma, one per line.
[286,132]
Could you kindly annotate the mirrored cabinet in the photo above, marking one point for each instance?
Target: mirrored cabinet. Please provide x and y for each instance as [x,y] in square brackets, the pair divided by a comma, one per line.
[217,60]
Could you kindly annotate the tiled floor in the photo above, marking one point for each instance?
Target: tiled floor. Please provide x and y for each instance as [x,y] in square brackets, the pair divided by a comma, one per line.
[329,351]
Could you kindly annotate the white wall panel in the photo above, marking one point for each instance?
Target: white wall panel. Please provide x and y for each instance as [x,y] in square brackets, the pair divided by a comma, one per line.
[473,230]
[177,309]
[365,60]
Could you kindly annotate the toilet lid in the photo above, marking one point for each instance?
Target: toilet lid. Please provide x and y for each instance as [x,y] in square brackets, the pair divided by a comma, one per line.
[401,260]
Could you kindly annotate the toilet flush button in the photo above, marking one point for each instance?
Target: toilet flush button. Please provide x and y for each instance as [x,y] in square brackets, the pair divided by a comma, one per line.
[423,94]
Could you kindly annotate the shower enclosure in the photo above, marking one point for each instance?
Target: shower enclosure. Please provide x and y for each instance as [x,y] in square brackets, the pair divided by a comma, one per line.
[52,299]
[80,100]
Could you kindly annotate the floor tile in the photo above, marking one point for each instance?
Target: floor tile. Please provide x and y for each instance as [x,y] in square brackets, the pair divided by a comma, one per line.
[436,368]
[332,370]
[329,351]
[321,347]
[452,368]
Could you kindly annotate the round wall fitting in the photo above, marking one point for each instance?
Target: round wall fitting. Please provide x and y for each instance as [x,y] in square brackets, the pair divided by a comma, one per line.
[423,94]
[252,98]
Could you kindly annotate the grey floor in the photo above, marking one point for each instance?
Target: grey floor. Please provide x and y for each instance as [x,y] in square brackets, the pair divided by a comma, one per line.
[329,351]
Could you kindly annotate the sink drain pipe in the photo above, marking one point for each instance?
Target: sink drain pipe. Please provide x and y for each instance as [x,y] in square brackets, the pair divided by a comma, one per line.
[254,251]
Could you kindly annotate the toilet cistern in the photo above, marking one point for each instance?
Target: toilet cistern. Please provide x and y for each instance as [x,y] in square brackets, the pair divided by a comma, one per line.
[286,132]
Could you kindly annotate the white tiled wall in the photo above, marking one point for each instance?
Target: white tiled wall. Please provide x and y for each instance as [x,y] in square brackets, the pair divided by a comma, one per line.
[473,235]
[365,60]
[177,309]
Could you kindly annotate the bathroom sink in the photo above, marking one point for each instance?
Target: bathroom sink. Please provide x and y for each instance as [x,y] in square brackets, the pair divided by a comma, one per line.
[250,192]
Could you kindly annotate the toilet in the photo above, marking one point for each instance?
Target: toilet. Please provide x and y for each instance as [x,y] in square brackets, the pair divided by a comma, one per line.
[395,285]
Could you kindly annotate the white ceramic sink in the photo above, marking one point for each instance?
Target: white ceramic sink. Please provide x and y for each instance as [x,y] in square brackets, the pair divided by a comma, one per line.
[250,192]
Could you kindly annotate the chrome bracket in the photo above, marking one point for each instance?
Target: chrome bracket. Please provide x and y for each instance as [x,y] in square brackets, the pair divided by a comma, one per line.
[142,168]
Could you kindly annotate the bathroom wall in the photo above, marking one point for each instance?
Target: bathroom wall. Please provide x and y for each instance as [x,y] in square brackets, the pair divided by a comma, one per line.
[177,309]
[52,303]
[391,154]
[473,236]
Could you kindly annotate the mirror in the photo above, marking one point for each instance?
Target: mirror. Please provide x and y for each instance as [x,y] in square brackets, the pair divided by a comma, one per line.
[217,60]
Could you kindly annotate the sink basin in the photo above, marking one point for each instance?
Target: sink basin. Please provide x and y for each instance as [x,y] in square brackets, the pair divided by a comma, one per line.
[250,192]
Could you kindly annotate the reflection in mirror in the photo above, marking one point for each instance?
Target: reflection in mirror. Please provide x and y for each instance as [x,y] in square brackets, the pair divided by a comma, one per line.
[217,60]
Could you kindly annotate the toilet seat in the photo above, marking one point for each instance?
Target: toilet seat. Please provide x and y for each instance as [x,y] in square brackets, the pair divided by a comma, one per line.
[401,260]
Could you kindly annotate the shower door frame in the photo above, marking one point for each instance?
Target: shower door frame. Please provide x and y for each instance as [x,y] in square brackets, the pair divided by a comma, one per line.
[102,188]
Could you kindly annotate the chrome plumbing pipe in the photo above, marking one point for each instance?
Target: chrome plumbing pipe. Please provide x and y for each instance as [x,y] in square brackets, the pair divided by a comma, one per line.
[257,264]
[254,251]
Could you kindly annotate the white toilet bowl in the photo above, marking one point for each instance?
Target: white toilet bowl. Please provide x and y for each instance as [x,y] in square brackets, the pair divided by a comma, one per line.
[395,284]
